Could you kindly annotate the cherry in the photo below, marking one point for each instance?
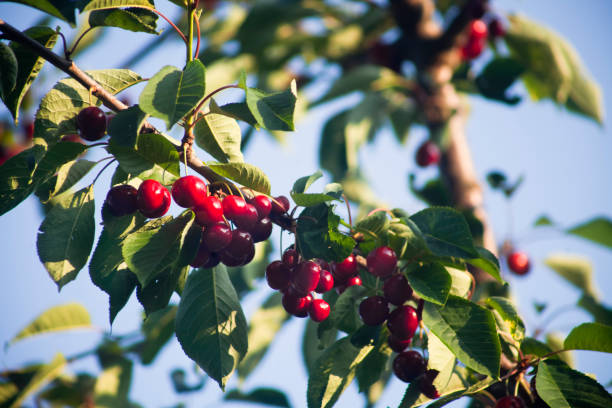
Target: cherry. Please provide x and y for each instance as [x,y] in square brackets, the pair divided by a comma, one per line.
[472,49]
[91,123]
[496,28]
[209,211]
[189,191]
[217,236]
[326,282]
[202,257]
[28,130]
[428,154]
[510,402]
[306,277]
[518,262]
[73,137]
[280,205]
[295,304]
[322,263]
[121,200]
[240,245]
[426,384]
[374,310]
[382,261]
[346,269]
[153,199]
[231,259]
[397,290]
[247,219]
[263,205]
[319,310]
[409,365]
[354,281]
[233,206]
[403,322]
[398,345]
[291,257]
[278,275]
[262,230]
[478,30]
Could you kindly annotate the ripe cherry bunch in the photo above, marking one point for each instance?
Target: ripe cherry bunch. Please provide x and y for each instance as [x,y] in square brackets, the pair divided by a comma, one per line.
[477,34]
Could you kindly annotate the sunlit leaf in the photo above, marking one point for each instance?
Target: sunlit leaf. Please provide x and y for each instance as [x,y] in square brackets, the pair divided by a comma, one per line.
[58,318]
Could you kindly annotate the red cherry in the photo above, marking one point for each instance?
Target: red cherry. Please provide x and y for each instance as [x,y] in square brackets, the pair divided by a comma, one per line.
[374,310]
[122,200]
[189,191]
[398,345]
[91,122]
[403,322]
[478,30]
[263,205]
[322,263]
[426,384]
[280,205]
[202,257]
[240,244]
[346,269]
[397,290]
[295,304]
[153,199]
[291,257]
[409,365]
[233,206]
[510,402]
[496,28]
[319,310]
[326,282]
[209,212]
[262,230]
[518,262]
[472,49]
[382,261]
[216,237]
[278,275]
[306,277]
[28,130]
[428,154]
[354,281]
[247,219]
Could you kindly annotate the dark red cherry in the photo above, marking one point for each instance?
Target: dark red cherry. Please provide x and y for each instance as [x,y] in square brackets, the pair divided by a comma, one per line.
[122,200]
[408,365]
[91,123]
[209,212]
[403,322]
[291,257]
[518,262]
[398,345]
[382,261]
[496,28]
[346,269]
[240,245]
[262,230]
[306,277]
[322,263]
[217,236]
[278,275]
[295,304]
[510,402]
[153,199]
[280,205]
[263,205]
[326,282]
[233,206]
[397,290]
[189,191]
[202,257]
[374,310]
[428,154]
[472,49]
[354,281]
[319,310]
[426,384]
[247,219]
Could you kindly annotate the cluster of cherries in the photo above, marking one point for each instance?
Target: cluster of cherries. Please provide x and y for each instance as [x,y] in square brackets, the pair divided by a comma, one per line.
[477,34]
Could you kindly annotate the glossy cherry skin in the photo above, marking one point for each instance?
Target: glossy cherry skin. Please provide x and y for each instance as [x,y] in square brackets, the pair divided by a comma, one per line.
[91,122]
[382,261]
[354,281]
[403,322]
[263,205]
[233,206]
[346,269]
[216,237]
[398,345]
[122,200]
[472,49]
[291,257]
[510,402]
[374,310]
[397,290]
[241,243]
[209,212]
[247,219]
[262,230]
[153,199]
[326,282]
[306,277]
[319,310]
[278,275]
[518,262]
[478,30]
[202,257]
[295,304]
[428,154]
[408,365]
[280,205]
[189,191]
[426,384]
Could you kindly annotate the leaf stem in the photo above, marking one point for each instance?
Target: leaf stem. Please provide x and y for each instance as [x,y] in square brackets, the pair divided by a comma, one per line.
[100,172]
[159,13]
[190,16]
[197,21]
[206,98]
[76,43]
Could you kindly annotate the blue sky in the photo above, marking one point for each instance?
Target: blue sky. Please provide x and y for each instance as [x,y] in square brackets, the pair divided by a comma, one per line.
[564,158]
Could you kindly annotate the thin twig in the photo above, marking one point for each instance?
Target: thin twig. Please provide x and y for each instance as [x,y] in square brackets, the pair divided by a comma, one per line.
[197,21]
[169,22]
[206,98]
[78,40]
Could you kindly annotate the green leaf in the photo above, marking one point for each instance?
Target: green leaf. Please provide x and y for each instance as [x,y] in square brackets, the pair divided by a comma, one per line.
[210,324]
[108,4]
[16,177]
[468,330]
[311,346]
[236,110]
[332,191]
[156,295]
[30,64]
[471,390]
[432,282]
[158,329]
[461,281]
[406,239]
[333,372]
[532,346]
[43,376]
[318,235]
[244,173]
[113,384]
[598,230]
[262,395]
[362,123]
[553,68]
[61,9]
[509,314]
[487,262]
[590,336]
[171,93]
[265,324]
[66,177]
[373,225]
[66,235]
[149,252]
[600,312]
[373,365]
[272,111]
[303,183]
[562,387]
[132,19]
[358,79]
[576,270]
[58,155]
[543,220]
[8,69]
[497,77]
[125,126]
[332,146]
[446,232]
[58,318]
[219,136]
[343,314]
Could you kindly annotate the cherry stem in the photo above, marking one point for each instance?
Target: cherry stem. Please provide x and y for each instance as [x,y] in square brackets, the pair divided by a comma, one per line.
[66,54]
[100,172]
[197,21]
[159,13]
[206,98]
[76,43]
[348,208]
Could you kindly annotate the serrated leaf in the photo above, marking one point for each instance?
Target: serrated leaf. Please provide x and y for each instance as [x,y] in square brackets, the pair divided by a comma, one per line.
[300,197]
[303,183]
[156,295]
[43,376]
[406,239]
[576,270]
[67,176]
[262,395]
[58,318]
[16,177]
[590,336]
[132,19]
[220,136]
[61,9]
[468,330]
[172,93]
[30,65]
[597,230]
[58,155]
[66,235]
[125,126]
[471,390]
[210,324]
[244,173]
[487,262]
[432,282]
[158,329]
[107,4]
[318,235]
[272,111]
[461,281]
[370,370]
[263,327]
[562,387]
[509,314]
[343,314]
[8,69]
[236,110]
[333,372]
[374,225]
